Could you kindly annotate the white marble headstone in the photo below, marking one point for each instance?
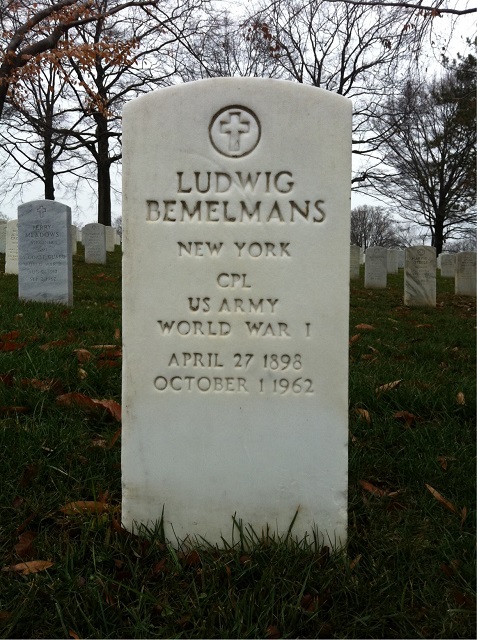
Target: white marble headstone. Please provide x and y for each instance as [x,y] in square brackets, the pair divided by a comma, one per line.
[235,308]
[392,261]
[376,268]
[355,255]
[74,239]
[110,239]
[420,277]
[447,265]
[44,252]
[94,241]
[465,273]
[11,252]
[3,236]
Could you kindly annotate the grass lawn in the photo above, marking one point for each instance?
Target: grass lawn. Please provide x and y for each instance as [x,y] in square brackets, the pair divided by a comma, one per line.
[71,571]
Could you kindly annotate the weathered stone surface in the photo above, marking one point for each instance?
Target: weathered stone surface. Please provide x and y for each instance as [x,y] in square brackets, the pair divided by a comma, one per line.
[11,253]
[235,308]
[376,268]
[110,239]
[447,267]
[465,268]
[420,277]
[94,241]
[355,258]
[3,236]
[45,271]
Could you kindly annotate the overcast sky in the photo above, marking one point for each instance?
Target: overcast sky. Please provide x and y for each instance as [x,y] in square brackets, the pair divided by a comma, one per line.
[449,35]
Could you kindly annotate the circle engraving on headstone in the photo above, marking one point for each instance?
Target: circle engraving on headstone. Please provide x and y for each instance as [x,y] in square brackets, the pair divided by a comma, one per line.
[234,131]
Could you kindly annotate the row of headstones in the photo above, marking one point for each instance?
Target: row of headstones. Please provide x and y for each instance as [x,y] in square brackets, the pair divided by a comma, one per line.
[420,266]
[39,247]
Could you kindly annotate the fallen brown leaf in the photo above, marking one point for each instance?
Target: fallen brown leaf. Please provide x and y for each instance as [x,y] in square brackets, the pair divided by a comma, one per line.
[424,326]
[117,334]
[460,398]
[24,546]
[26,568]
[10,345]
[5,411]
[73,635]
[373,489]
[463,515]
[388,387]
[440,498]
[56,343]
[364,413]
[82,506]
[365,327]
[113,440]
[272,632]
[408,418]
[10,335]
[354,338]
[74,399]
[83,355]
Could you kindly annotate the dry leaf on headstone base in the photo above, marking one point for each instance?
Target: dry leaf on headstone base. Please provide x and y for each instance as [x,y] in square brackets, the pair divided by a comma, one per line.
[272,632]
[354,338]
[26,568]
[460,398]
[364,413]
[73,635]
[117,334]
[440,498]
[365,327]
[388,387]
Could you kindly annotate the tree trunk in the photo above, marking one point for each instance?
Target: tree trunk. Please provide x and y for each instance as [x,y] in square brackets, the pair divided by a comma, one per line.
[104,178]
[48,163]
[439,232]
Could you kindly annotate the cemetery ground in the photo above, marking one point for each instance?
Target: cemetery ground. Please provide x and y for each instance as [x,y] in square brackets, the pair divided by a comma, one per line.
[69,570]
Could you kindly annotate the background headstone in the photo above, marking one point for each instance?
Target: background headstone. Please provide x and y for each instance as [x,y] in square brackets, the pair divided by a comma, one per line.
[110,243]
[235,308]
[354,262]
[94,241]
[392,261]
[420,277]
[3,236]
[11,252]
[401,257]
[447,261]
[465,268]
[376,268]
[74,240]
[45,272]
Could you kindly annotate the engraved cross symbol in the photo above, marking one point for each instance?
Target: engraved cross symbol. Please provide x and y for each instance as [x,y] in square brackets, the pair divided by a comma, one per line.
[234,127]
[41,211]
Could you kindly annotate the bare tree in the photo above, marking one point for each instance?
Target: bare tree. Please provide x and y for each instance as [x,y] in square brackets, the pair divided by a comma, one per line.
[358,51]
[31,135]
[31,30]
[373,226]
[429,141]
